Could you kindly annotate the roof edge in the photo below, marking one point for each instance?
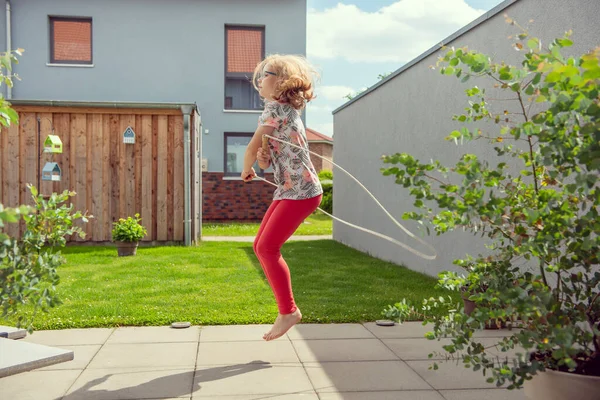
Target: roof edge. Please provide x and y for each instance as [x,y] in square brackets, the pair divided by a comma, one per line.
[105,104]
[484,17]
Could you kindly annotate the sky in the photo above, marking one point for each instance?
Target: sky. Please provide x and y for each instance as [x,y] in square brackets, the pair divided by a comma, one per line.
[351,42]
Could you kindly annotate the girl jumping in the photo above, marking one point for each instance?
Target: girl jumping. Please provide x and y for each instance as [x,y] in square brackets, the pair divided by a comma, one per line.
[285,84]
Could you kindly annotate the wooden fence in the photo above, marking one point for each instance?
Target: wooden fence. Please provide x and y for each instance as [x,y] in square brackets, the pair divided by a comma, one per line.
[112,179]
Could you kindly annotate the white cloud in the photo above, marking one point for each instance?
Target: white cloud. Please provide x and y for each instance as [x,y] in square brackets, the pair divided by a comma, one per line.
[396,33]
[334,93]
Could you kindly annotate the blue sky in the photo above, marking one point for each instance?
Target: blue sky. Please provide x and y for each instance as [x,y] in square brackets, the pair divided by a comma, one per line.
[352,41]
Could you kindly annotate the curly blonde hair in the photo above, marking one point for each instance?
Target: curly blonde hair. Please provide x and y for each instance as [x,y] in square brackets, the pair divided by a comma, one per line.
[294,78]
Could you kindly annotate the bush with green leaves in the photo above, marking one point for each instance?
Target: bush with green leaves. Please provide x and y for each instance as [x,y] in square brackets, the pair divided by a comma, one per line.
[128,230]
[325,175]
[28,265]
[326,178]
[540,224]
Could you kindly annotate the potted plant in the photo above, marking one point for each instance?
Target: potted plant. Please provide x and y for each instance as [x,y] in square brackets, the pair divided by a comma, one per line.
[126,234]
[478,279]
[540,221]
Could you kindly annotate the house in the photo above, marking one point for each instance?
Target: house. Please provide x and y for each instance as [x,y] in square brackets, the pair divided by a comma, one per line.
[142,55]
[413,108]
[322,145]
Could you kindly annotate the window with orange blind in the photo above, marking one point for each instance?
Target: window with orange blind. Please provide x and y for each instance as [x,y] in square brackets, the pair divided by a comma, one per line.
[244,49]
[70,40]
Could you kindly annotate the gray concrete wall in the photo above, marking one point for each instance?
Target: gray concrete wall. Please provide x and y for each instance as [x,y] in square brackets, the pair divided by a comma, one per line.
[152,51]
[412,112]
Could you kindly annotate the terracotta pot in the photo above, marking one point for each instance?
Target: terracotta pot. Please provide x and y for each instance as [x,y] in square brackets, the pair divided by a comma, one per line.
[470,307]
[556,385]
[127,248]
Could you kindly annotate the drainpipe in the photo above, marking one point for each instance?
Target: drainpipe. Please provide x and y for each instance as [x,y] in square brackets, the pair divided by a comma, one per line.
[187,111]
[8,46]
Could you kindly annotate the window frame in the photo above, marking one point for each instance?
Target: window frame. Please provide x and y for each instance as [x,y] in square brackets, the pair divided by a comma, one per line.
[238,75]
[259,172]
[51,20]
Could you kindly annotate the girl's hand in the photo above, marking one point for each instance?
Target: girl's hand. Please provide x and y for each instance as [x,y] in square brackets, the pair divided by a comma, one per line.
[264,160]
[247,176]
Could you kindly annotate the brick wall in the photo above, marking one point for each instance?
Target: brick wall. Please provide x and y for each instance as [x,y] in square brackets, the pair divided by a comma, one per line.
[324,149]
[234,200]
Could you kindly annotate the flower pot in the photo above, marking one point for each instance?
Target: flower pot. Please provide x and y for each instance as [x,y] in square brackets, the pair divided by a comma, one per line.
[127,248]
[470,307]
[556,385]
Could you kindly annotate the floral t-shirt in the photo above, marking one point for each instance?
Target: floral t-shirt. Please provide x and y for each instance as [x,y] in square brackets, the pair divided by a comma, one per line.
[294,173]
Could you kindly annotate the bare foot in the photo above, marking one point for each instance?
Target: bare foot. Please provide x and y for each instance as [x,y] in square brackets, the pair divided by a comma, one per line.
[282,324]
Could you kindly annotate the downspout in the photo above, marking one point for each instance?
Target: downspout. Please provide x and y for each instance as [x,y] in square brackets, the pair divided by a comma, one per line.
[187,110]
[8,46]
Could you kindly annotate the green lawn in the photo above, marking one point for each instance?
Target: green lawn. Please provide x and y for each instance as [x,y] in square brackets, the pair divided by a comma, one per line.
[316,224]
[222,283]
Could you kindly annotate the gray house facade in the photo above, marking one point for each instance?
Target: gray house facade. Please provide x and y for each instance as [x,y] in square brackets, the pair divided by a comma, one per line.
[180,51]
[411,111]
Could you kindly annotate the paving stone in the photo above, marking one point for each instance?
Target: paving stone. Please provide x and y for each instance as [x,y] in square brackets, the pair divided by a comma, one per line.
[251,379]
[132,384]
[235,333]
[70,337]
[154,334]
[329,331]
[342,350]
[275,352]
[363,376]
[37,385]
[140,355]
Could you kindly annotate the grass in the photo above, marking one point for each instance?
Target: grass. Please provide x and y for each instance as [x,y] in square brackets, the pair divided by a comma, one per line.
[316,224]
[222,283]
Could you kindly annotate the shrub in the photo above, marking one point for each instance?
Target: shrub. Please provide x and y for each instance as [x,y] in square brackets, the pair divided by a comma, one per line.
[128,230]
[546,214]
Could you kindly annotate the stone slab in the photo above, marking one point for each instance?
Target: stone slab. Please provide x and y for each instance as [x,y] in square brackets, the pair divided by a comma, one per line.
[13,333]
[17,356]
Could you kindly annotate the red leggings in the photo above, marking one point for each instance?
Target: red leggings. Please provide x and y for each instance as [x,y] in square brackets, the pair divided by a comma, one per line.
[279,223]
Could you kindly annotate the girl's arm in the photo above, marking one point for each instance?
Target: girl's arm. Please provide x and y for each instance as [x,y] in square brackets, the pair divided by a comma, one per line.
[253,146]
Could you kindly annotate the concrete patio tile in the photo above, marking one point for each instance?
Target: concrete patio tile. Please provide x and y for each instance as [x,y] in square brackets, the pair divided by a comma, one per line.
[140,355]
[502,355]
[37,385]
[494,333]
[130,384]
[70,337]
[219,353]
[487,394]
[416,349]
[342,350]
[399,331]
[450,376]
[363,376]
[329,331]
[82,357]
[404,395]
[234,333]
[308,395]
[154,334]
[250,379]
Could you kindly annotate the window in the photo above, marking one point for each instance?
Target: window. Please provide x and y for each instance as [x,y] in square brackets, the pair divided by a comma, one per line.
[244,49]
[235,149]
[70,40]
